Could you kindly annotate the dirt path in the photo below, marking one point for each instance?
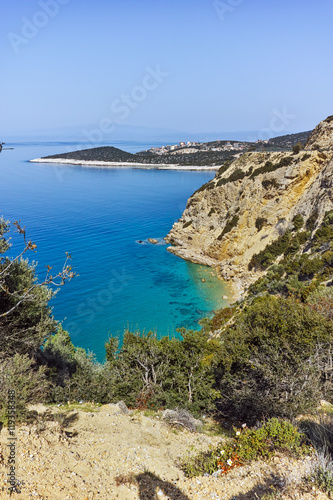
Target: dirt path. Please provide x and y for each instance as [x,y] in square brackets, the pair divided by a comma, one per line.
[108,455]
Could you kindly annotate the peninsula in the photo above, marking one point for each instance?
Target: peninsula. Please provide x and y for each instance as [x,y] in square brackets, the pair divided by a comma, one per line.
[183,156]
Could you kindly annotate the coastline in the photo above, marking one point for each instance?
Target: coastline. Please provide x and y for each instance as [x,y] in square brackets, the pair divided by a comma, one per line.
[235,287]
[115,164]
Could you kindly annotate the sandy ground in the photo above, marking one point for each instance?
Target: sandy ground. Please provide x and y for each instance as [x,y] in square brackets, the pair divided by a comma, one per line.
[105,454]
[116,164]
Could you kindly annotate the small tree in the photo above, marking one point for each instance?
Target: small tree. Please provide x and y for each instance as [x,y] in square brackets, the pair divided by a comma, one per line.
[152,372]
[297,148]
[25,317]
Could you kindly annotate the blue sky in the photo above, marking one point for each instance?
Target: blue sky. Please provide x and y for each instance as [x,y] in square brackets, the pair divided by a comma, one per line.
[191,65]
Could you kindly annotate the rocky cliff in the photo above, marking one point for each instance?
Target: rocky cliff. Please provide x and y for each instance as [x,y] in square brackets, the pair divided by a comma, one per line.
[252,201]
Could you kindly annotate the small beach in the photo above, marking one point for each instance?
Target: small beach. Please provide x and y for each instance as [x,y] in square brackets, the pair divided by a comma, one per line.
[115,164]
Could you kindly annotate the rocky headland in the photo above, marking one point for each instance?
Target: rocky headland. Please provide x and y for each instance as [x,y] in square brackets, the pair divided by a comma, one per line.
[251,202]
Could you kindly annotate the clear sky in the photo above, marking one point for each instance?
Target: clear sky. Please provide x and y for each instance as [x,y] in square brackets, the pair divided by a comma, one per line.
[186,65]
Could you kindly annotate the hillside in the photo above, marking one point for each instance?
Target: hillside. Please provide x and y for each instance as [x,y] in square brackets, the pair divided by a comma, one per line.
[100,452]
[286,142]
[200,154]
[252,202]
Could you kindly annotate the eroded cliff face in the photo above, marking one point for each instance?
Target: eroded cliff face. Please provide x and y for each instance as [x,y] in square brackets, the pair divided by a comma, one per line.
[252,202]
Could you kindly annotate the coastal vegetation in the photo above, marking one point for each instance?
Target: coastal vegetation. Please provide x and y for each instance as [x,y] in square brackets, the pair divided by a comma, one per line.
[270,359]
[254,367]
[200,154]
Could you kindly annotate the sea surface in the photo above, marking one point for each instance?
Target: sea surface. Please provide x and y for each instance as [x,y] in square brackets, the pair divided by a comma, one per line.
[98,216]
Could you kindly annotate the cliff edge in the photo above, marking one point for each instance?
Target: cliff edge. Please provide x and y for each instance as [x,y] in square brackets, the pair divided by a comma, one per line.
[252,201]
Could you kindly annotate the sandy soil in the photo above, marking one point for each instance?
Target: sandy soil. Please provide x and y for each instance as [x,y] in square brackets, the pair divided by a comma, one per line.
[116,164]
[106,454]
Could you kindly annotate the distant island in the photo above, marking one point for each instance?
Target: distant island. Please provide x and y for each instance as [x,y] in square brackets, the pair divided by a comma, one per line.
[185,156]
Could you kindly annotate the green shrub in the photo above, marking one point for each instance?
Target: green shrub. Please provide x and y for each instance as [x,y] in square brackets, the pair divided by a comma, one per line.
[275,272]
[266,257]
[272,360]
[322,474]
[60,347]
[271,167]
[311,222]
[88,381]
[270,183]
[221,317]
[286,161]
[22,375]
[260,223]
[325,232]
[293,246]
[235,176]
[247,445]
[224,167]
[29,325]
[320,434]
[169,373]
[306,156]
[297,148]
[187,224]
[298,222]
[229,226]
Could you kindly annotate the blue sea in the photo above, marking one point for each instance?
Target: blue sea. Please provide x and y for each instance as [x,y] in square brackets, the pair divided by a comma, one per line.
[98,215]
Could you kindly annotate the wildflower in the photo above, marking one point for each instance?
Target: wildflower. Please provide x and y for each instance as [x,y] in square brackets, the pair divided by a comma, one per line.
[221,452]
[237,433]
[229,462]
[243,425]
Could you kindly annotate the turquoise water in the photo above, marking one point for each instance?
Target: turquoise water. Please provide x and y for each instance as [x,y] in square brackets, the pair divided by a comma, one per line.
[98,215]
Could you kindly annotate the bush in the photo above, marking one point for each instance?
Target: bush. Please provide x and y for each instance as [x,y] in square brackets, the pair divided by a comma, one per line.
[298,222]
[297,148]
[267,183]
[321,300]
[164,373]
[247,445]
[235,176]
[271,167]
[25,317]
[266,257]
[87,380]
[29,382]
[260,223]
[272,361]
[229,226]
[311,222]
[224,167]
[26,328]
[320,434]
[325,231]
[322,473]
